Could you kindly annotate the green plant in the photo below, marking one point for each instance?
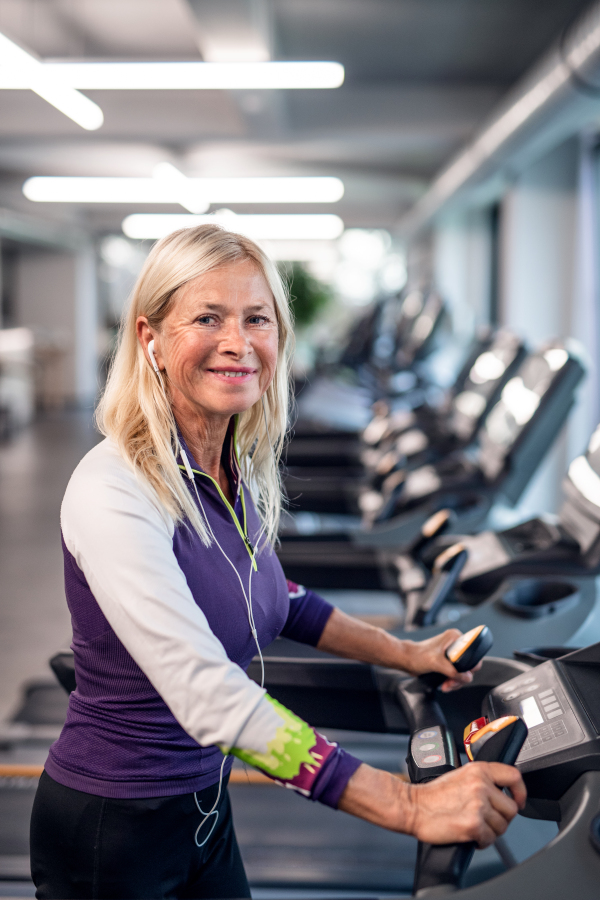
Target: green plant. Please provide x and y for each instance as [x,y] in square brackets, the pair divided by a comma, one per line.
[308,294]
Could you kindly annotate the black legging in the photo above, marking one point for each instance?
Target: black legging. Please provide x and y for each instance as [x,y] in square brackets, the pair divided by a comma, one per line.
[83,846]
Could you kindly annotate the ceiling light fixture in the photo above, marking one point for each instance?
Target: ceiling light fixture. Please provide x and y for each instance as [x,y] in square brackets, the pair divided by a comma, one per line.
[183,190]
[147,226]
[18,64]
[169,185]
[183,76]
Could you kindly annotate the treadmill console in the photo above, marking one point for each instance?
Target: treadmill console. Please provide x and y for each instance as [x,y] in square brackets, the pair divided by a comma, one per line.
[580,513]
[486,376]
[541,701]
[518,405]
[559,701]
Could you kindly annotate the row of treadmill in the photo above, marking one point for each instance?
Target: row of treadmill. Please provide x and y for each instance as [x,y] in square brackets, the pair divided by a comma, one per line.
[390,486]
[399,501]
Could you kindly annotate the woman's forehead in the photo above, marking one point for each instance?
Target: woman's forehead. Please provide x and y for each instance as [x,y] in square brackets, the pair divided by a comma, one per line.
[240,283]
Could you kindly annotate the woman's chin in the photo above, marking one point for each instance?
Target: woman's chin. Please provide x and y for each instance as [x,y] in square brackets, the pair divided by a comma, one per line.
[230,403]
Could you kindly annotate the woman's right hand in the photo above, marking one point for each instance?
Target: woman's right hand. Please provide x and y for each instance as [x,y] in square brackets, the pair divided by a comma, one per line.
[467,804]
[464,805]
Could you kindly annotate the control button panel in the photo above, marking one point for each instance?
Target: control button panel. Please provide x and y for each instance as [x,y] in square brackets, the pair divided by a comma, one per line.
[540,700]
[544,734]
[427,748]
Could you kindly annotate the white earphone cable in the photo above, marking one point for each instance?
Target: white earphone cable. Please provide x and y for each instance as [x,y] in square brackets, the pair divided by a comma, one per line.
[251,622]
[247,597]
[212,812]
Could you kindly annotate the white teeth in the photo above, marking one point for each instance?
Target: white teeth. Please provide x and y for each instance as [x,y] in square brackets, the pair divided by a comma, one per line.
[233,374]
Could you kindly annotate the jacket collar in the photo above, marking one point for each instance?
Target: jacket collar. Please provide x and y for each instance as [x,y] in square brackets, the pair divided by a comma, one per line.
[229,456]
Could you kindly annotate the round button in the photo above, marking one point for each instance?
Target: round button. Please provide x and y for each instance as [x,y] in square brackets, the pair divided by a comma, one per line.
[433,758]
[527,680]
[427,734]
[425,747]
[511,696]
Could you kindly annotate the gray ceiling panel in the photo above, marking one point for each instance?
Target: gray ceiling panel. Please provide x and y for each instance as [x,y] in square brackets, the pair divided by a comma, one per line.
[421,76]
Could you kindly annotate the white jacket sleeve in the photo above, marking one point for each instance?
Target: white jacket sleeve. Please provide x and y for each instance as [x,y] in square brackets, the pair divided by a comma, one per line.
[122,542]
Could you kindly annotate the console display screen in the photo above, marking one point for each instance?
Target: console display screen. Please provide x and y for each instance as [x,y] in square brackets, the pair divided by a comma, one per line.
[530,712]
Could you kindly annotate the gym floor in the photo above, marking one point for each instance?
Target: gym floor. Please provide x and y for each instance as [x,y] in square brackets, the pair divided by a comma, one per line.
[291,848]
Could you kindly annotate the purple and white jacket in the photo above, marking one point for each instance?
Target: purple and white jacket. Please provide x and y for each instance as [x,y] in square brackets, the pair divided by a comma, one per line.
[162,641]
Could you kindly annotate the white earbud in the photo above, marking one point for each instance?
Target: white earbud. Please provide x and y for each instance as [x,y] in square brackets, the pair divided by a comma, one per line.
[152,357]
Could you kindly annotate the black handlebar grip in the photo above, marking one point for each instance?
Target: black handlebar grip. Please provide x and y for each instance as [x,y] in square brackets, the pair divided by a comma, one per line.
[441,865]
[499,741]
[446,571]
[464,654]
[434,527]
[446,864]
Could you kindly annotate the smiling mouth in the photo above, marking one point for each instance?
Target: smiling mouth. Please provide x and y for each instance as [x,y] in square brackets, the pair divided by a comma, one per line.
[232,373]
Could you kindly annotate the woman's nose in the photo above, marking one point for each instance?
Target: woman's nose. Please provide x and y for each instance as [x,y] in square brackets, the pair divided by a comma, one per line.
[233,339]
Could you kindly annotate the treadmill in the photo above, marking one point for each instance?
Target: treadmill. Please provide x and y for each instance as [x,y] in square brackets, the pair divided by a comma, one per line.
[560,760]
[333,410]
[536,579]
[541,569]
[406,438]
[332,450]
[565,544]
[422,438]
[513,441]
[534,583]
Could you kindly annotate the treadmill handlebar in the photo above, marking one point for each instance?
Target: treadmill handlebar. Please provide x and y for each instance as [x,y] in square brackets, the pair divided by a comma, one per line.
[465,653]
[417,696]
[435,526]
[444,865]
[446,571]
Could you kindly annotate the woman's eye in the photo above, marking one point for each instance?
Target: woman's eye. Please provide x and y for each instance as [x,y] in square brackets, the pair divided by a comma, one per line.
[258,320]
[205,320]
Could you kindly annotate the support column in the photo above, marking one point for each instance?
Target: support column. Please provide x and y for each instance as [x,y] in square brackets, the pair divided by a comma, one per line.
[538,253]
[462,261]
[86,327]
[56,297]
[585,318]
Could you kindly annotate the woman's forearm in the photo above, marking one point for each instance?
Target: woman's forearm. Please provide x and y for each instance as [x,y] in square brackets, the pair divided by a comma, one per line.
[345,636]
[467,804]
[379,798]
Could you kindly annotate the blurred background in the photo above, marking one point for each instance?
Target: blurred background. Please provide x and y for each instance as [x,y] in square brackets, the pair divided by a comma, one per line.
[372,147]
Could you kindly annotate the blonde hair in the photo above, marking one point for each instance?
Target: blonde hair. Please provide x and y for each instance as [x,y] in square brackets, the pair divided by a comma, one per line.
[135,410]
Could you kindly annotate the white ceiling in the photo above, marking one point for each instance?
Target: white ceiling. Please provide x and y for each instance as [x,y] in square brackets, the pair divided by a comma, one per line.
[420,76]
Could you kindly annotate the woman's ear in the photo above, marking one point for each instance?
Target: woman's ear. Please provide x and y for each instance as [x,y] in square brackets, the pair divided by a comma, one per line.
[146,338]
[150,349]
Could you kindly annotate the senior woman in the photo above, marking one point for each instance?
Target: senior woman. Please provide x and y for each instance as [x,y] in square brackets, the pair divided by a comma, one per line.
[168,527]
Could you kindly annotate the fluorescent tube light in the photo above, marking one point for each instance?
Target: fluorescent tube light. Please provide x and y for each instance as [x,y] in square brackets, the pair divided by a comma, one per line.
[148,226]
[171,186]
[185,193]
[184,76]
[16,63]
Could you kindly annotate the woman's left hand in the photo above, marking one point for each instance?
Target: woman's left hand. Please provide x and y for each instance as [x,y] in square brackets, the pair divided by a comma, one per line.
[430,656]
[353,639]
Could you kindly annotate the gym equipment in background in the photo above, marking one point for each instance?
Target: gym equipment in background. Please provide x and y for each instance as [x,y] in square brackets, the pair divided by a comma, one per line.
[513,441]
[399,333]
[395,440]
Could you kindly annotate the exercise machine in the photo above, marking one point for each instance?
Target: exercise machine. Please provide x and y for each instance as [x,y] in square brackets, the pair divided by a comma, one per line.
[406,437]
[398,334]
[514,439]
[560,759]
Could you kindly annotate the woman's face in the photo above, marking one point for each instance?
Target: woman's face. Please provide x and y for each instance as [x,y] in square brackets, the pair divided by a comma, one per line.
[219,342]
